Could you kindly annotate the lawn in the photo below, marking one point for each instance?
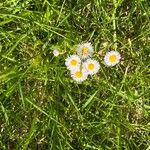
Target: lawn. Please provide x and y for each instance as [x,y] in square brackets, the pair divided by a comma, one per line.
[42,107]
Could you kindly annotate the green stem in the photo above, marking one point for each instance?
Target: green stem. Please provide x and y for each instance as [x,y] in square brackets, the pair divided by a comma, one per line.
[114,25]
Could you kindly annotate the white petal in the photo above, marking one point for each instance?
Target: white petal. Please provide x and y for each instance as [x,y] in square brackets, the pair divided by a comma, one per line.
[108,62]
[95,63]
[69,59]
[85,45]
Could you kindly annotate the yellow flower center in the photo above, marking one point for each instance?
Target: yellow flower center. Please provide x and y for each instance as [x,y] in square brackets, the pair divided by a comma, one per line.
[73,62]
[112,58]
[90,66]
[78,74]
[85,50]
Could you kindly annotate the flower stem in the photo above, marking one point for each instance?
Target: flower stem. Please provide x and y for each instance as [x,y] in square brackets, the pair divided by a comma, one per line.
[114,25]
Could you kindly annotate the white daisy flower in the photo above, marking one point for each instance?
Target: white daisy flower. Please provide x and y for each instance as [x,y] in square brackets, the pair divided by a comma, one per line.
[56,52]
[85,50]
[92,66]
[73,62]
[112,58]
[79,75]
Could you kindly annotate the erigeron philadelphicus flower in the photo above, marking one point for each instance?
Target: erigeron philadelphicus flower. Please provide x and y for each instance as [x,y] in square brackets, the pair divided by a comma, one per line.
[56,52]
[92,66]
[73,62]
[112,58]
[85,50]
[79,74]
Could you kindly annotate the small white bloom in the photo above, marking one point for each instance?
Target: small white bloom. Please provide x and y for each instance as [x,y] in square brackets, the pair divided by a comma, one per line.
[112,58]
[92,66]
[73,62]
[85,50]
[56,52]
[79,74]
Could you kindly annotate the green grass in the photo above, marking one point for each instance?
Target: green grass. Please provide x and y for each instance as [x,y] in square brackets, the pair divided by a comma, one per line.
[42,108]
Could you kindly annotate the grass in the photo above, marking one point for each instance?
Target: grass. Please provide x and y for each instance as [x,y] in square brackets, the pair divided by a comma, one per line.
[42,108]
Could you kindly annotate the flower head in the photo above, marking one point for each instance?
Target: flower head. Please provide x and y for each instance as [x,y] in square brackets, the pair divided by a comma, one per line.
[92,66]
[79,75]
[56,52]
[85,50]
[112,58]
[73,62]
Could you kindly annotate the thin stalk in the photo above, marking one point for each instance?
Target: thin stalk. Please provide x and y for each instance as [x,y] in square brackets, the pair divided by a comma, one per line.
[114,25]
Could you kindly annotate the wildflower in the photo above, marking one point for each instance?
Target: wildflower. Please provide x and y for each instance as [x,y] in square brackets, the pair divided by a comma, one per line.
[73,62]
[112,58]
[56,52]
[85,50]
[92,66]
[79,74]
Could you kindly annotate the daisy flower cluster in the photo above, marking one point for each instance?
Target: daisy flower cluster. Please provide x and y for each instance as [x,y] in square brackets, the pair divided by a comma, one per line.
[81,65]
